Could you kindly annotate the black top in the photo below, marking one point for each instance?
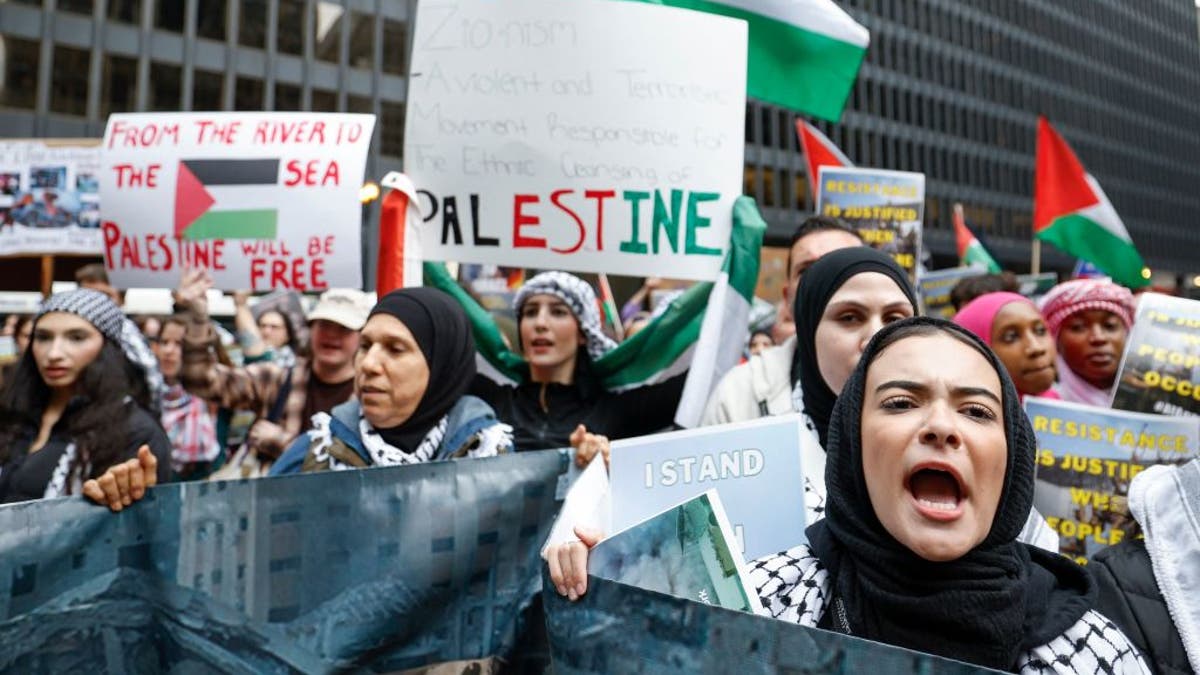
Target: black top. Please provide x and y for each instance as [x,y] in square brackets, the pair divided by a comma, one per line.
[24,476]
[636,412]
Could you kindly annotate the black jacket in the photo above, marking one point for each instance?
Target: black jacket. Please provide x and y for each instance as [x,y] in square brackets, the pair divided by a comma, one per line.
[1130,597]
[544,415]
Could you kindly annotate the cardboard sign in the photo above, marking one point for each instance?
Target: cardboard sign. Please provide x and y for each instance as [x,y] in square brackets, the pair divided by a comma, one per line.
[590,136]
[49,197]
[887,207]
[263,200]
[1160,370]
[934,289]
[1086,459]
[754,466]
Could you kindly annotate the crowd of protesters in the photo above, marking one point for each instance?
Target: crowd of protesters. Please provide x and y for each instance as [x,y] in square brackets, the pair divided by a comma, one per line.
[919,490]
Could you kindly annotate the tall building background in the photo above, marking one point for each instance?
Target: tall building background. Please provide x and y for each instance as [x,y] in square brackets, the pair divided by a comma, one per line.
[950,87]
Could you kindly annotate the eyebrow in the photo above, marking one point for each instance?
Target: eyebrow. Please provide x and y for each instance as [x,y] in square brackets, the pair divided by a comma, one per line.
[918,388]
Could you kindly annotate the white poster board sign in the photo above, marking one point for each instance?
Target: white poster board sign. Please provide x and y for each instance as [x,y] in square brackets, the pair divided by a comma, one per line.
[262,200]
[49,196]
[591,135]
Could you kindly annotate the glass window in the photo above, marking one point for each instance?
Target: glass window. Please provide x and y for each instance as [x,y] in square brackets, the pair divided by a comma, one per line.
[248,94]
[165,88]
[395,47]
[362,41]
[210,22]
[69,83]
[392,129]
[119,85]
[359,104]
[252,25]
[125,11]
[290,36]
[324,101]
[287,97]
[168,15]
[206,90]
[18,72]
[327,30]
[77,6]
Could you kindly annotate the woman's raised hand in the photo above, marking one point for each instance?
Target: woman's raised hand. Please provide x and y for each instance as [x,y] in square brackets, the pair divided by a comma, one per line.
[124,483]
[568,563]
[587,445]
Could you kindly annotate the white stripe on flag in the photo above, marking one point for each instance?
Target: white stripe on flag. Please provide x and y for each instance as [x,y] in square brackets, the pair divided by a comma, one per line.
[818,16]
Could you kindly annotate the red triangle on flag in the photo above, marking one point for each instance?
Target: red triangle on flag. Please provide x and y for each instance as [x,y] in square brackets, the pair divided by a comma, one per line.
[819,151]
[962,234]
[1059,181]
[192,199]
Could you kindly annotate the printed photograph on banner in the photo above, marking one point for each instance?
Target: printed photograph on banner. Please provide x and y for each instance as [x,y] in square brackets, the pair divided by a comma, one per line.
[1160,370]
[262,200]
[49,196]
[754,466]
[587,136]
[934,289]
[1086,459]
[887,207]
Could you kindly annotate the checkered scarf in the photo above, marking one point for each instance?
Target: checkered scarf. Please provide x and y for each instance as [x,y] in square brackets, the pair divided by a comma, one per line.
[580,298]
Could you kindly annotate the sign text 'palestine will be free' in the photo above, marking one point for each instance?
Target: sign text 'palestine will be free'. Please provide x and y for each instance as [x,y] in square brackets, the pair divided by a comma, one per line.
[590,136]
[262,200]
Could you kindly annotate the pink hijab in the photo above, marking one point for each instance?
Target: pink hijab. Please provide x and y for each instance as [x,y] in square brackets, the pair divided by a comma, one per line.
[978,316]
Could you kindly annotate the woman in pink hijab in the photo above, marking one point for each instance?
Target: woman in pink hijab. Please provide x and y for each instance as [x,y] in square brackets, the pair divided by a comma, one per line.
[1014,328]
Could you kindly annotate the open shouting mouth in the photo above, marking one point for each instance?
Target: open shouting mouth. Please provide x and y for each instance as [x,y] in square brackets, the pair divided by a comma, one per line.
[937,491]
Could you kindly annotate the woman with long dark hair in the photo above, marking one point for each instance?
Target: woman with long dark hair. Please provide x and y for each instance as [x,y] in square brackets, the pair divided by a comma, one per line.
[73,418]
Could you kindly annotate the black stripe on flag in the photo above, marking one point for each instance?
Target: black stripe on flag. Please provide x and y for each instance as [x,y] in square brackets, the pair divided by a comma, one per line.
[234,171]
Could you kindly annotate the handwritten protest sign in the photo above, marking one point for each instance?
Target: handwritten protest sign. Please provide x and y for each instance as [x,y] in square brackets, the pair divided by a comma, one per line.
[934,288]
[754,466]
[263,200]
[887,207]
[1160,370]
[49,197]
[1087,458]
[591,136]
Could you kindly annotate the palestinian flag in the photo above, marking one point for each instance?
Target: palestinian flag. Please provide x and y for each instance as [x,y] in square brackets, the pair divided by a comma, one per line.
[803,54]
[819,151]
[1073,213]
[705,328]
[225,198]
[970,250]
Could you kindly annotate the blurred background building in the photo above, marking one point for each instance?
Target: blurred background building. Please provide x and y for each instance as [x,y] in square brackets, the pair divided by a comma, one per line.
[950,87]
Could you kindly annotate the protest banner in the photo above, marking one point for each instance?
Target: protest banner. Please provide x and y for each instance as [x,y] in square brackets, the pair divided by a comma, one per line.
[1036,285]
[934,289]
[687,551]
[618,628]
[887,207]
[587,136]
[755,467]
[1160,369]
[49,197]
[263,200]
[1086,459]
[378,570]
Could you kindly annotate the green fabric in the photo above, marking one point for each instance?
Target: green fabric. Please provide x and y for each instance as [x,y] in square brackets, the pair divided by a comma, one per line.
[1084,238]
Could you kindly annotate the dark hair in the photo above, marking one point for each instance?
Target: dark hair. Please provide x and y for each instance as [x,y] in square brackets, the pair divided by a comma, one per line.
[93,272]
[287,325]
[818,223]
[929,330]
[105,384]
[22,320]
[972,287]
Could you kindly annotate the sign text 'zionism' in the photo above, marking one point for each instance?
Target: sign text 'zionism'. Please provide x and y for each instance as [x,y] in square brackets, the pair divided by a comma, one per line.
[589,136]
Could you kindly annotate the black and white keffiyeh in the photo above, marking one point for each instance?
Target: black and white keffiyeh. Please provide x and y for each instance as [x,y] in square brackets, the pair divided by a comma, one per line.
[493,440]
[67,478]
[580,298]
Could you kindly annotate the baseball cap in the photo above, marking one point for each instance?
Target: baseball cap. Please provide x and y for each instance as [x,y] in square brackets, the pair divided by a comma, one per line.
[343,306]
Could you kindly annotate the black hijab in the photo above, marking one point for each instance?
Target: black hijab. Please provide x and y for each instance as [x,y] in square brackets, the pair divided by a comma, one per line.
[995,603]
[817,286]
[440,327]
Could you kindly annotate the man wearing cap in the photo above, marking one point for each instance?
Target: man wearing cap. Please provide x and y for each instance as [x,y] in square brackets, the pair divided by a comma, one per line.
[283,399]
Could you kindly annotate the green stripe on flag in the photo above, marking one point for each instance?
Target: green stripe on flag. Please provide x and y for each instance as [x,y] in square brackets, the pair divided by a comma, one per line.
[1084,238]
[488,341]
[235,224]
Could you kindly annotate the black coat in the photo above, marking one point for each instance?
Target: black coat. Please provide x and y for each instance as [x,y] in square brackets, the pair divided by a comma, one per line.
[1129,596]
[544,415]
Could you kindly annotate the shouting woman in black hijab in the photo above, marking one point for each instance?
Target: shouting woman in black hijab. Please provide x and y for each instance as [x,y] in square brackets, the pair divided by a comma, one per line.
[415,361]
[930,475]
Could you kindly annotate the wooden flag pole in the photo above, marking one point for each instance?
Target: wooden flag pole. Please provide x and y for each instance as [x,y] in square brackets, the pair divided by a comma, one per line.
[1035,265]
